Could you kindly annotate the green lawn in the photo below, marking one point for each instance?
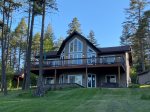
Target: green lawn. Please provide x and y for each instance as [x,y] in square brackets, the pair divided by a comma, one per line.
[79,100]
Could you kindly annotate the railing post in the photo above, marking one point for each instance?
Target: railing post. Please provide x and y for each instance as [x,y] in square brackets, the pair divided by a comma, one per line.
[119,75]
[55,75]
[86,76]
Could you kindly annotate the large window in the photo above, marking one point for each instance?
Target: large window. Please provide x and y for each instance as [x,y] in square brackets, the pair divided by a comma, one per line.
[75,46]
[75,79]
[91,55]
[75,52]
[75,58]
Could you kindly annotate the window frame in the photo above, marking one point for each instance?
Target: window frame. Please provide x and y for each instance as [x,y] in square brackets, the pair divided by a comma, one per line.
[110,78]
[75,75]
[78,41]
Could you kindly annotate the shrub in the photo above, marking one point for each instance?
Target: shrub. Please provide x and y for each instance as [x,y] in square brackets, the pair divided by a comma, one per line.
[134,86]
[133,75]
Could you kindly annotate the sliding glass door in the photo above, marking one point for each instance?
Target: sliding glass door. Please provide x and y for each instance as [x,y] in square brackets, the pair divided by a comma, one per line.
[91,80]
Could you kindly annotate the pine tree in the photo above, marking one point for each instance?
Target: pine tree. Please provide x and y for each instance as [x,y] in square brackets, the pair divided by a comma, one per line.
[125,37]
[36,45]
[136,35]
[44,5]
[74,26]
[91,38]
[48,39]
[7,7]
[21,33]
[58,43]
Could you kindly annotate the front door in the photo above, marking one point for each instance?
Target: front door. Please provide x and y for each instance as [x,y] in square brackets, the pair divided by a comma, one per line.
[91,80]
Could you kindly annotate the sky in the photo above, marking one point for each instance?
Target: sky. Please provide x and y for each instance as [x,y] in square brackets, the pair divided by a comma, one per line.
[104,17]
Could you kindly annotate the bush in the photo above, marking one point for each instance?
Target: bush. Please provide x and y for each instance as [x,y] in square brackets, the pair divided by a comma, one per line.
[133,75]
[134,86]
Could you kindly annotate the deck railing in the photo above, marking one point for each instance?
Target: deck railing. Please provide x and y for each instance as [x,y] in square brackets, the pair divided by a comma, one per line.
[80,61]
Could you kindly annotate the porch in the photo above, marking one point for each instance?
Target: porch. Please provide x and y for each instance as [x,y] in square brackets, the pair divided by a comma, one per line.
[88,76]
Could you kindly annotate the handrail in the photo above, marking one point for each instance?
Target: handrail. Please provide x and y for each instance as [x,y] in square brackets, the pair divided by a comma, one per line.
[81,61]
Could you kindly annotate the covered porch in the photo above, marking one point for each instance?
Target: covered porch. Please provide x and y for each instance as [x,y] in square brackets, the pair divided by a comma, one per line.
[88,76]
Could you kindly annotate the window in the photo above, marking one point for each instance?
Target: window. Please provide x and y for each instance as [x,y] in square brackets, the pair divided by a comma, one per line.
[75,58]
[49,80]
[71,47]
[110,78]
[75,51]
[91,55]
[75,46]
[79,46]
[61,79]
[75,79]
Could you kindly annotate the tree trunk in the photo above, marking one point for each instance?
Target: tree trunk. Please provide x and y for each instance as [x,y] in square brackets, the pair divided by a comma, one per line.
[27,82]
[4,82]
[40,89]
[26,54]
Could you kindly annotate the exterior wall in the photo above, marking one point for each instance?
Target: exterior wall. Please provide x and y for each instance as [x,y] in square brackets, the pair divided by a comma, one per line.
[123,82]
[101,79]
[144,78]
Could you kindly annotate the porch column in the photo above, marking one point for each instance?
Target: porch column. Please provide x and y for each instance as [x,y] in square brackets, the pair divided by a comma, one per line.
[55,76]
[86,76]
[119,75]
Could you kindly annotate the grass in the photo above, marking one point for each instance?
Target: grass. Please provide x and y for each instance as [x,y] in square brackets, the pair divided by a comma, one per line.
[79,100]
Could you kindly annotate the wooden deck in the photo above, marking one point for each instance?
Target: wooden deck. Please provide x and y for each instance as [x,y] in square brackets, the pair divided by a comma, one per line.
[97,62]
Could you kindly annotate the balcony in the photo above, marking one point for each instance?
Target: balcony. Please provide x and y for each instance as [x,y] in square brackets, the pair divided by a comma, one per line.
[81,62]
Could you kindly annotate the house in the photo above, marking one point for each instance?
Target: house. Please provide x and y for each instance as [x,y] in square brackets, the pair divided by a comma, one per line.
[144,77]
[79,61]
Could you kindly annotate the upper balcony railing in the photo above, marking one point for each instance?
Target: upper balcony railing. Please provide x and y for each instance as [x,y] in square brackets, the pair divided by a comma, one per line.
[81,61]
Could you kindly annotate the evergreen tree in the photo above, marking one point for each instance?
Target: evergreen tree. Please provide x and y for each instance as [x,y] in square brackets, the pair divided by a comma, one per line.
[21,34]
[135,34]
[125,37]
[50,4]
[58,43]
[74,26]
[6,7]
[91,38]
[48,39]
[36,45]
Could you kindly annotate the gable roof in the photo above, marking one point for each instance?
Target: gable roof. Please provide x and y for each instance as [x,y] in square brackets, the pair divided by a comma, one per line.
[70,36]
[102,51]
[117,49]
